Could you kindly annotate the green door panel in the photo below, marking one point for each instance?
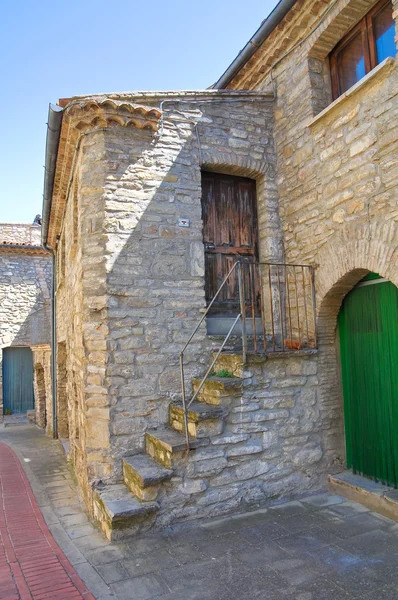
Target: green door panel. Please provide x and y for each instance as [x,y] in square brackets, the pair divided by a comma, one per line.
[368,328]
[17,380]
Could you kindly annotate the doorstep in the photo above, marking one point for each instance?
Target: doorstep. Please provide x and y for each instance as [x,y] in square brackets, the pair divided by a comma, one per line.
[15,420]
[376,496]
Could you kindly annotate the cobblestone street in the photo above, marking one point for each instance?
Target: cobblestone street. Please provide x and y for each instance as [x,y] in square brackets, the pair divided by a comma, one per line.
[320,548]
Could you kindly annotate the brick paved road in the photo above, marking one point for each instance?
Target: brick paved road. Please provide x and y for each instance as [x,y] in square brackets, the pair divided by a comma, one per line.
[31,563]
[320,548]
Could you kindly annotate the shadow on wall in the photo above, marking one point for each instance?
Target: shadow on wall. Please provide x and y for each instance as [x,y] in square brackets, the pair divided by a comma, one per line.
[154,267]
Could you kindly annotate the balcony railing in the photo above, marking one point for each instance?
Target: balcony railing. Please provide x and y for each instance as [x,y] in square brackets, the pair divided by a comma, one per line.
[275,307]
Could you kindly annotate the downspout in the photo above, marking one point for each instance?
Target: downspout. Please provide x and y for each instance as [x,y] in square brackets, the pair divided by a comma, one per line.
[265,29]
[55,114]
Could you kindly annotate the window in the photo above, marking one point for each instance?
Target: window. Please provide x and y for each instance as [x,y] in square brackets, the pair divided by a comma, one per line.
[364,47]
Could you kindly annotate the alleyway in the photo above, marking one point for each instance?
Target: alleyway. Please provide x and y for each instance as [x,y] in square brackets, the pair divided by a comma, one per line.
[322,548]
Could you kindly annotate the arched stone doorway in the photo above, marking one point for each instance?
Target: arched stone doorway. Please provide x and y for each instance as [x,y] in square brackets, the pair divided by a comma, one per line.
[350,254]
[368,332]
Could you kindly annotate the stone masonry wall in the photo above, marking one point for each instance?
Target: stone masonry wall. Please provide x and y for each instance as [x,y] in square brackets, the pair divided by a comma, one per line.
[20,233]
[81,319]
[155,269]
[270,447]
[337,174]
[130,289]
[130,281]
[43,386]
[25,299]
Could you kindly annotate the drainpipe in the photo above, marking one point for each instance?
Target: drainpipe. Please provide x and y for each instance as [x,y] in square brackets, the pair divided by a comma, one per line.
[265,29]
[55,114]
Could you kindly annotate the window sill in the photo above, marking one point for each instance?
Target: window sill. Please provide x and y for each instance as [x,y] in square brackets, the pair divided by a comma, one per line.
[383,66]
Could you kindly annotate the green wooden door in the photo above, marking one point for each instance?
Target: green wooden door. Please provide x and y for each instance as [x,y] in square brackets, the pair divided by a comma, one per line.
[368,327]
[17,380]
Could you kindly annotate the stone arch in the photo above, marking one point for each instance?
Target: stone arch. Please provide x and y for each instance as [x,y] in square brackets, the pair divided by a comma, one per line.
[355,247]
[349,255]
[270,229]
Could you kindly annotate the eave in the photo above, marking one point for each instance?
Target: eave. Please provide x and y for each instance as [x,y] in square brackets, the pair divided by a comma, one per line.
[78,117]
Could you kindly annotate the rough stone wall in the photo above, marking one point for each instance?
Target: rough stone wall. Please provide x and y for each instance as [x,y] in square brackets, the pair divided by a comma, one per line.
[130,282]
[270,447]
[155,269]
[43,386]
[337,174]
[81,318]
[25,298]
[20,233]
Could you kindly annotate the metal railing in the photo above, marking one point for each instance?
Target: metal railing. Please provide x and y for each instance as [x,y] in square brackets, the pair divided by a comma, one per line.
[241,316]
[287,304]
[277,300]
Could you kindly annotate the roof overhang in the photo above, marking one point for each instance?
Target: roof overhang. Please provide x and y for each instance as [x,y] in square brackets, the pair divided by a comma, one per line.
[65,128]
[23,249]
[265,29]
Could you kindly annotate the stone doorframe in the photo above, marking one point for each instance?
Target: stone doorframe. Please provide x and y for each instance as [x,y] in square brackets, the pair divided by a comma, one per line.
[270,229]
[42,384]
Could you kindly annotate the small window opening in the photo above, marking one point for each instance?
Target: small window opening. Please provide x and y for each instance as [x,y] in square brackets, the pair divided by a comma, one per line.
[363,48]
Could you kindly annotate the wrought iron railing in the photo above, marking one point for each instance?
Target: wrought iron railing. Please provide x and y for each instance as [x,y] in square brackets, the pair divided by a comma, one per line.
[278,300]
[287,304]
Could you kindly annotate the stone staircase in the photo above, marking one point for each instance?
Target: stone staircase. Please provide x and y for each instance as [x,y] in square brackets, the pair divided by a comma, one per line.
[126,509]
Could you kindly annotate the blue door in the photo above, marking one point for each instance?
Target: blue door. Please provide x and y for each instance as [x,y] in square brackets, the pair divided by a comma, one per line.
[17,380]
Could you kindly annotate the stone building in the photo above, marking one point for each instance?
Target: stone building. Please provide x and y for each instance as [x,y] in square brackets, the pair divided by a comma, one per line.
[25,323]
[288,168]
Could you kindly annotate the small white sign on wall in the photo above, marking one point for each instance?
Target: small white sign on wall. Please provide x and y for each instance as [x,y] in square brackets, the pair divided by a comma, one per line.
[184,223]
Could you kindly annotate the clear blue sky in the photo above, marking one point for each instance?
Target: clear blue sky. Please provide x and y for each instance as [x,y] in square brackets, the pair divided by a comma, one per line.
[50,50]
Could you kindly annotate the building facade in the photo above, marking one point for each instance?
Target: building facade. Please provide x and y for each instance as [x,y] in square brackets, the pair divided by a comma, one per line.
[154,198]
[25,323]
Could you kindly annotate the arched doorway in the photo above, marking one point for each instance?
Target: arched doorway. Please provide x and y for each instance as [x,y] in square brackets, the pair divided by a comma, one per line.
[368,329]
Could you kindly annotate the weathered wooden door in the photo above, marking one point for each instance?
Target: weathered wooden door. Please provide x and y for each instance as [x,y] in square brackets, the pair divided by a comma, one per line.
[368,328]
[17,380]
[229,215]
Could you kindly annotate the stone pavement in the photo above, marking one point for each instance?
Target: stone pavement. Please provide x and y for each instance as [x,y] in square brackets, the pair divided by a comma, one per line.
[321,548]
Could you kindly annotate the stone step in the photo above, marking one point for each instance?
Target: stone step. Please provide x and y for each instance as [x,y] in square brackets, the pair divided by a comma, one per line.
[168,447]
[218,390]
[15,422]
[229,361]
[204,420]
[143,476]
[121,514]
[376,496]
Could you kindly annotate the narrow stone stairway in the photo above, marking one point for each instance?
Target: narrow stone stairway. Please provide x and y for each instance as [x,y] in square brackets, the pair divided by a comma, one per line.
[128,508]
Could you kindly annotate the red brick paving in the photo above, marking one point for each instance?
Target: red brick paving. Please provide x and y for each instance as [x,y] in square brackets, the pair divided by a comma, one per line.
[32,566]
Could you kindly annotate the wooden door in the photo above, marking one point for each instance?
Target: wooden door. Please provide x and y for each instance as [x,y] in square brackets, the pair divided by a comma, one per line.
[17,380]
[229,215]
[368,328]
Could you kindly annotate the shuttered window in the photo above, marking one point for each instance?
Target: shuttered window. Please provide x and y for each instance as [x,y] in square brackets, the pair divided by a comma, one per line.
[364,47]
